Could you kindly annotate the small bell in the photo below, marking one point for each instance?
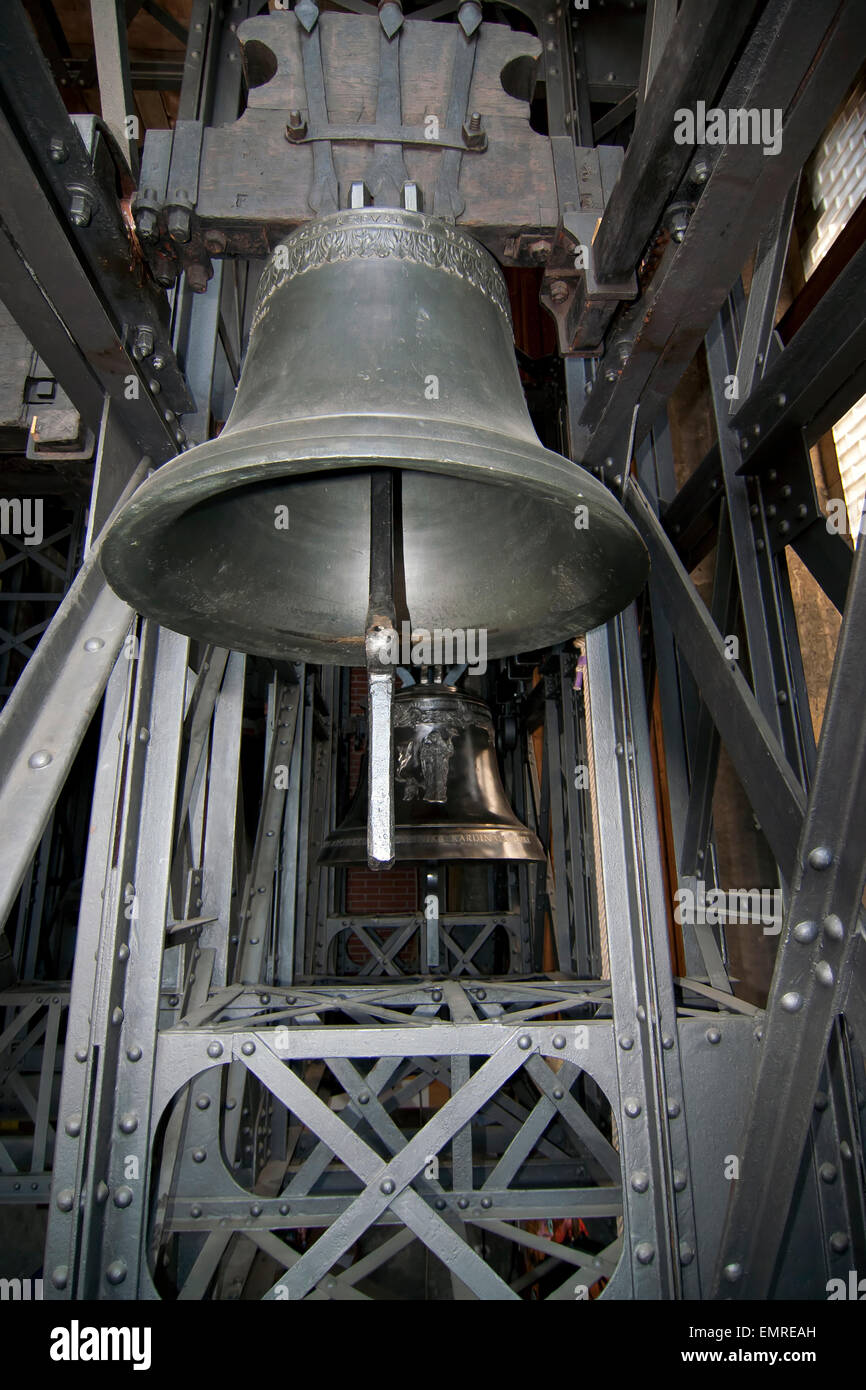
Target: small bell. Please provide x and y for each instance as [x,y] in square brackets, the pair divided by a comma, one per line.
[449,801]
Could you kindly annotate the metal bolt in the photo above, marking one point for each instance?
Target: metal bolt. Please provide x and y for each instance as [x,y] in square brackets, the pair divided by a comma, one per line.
[713,1035]
[792,1002]
[463,1203]
[73,1126]
[66,1199]
[134,1053]
[804,932]
[143,343]
[80,207]
[57,150]
[116,1272]
[147,225]
[645,1253]
[558,1040]
[123,1197]
[558,1093]
[199,1155]
[364,1098]
[667,1042]
[128,1123]
[559,291]
[248,1048]
[94,644]
[179,224]
[197,277]
[386,1187]
[215,1049]
[640,1181]
[40,759]
[524,1042]
[632,1108]
[297,128]
[626,1042]
[487,1203]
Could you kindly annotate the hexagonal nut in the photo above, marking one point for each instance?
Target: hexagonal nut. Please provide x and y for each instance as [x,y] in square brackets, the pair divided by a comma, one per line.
[179,224]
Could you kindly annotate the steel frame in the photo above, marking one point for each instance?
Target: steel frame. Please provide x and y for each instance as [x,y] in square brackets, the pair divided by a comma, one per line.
[220,1098]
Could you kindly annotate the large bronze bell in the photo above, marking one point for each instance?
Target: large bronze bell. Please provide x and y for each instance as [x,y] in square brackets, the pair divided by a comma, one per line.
[380,337]
[449,799]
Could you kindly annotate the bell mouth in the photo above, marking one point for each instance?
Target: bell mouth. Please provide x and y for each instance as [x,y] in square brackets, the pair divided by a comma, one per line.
[490,540]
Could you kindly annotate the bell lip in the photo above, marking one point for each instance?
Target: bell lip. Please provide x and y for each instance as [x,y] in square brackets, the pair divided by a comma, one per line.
[339,444]
[410,847]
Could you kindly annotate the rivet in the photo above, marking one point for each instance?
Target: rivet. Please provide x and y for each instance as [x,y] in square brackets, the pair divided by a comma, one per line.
[821,857]
[215,1049]
[558,1040]
[845,1149]
[828,1172]
[640,1181]
[66,1199]
[123,952]
[248,1048]
[73,1126]
[733,1272]
[834,927]
[117,1016]
[673,1109]
[679,1181]
[134,1053]
[632,1108]
[824,973]
[641,1013]
[626,1043]
[386,1186]
[256,1209]
[437,996]
[199,1155]
[667,1042]
[804,932]
[463,1203]
[364,1098]
[839,1242]
[60,1276]
[39,759]
[284,1208]
[195,1212]
[487,1203]
[81,1054]
[440,1204]
[202,1102]
[524,1042]
[645,1253]
[123,1197]
[820,1101]
[713,1035]
[116,1272]
[128,1123]
[687,1253]
[94,644]
[558,1093]
[791,1002]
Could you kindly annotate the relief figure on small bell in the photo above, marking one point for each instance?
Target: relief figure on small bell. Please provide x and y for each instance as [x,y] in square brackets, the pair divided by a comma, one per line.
[422,765]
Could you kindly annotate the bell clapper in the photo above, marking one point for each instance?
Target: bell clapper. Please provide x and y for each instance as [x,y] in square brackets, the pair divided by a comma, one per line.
[432,910]
[378,637]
